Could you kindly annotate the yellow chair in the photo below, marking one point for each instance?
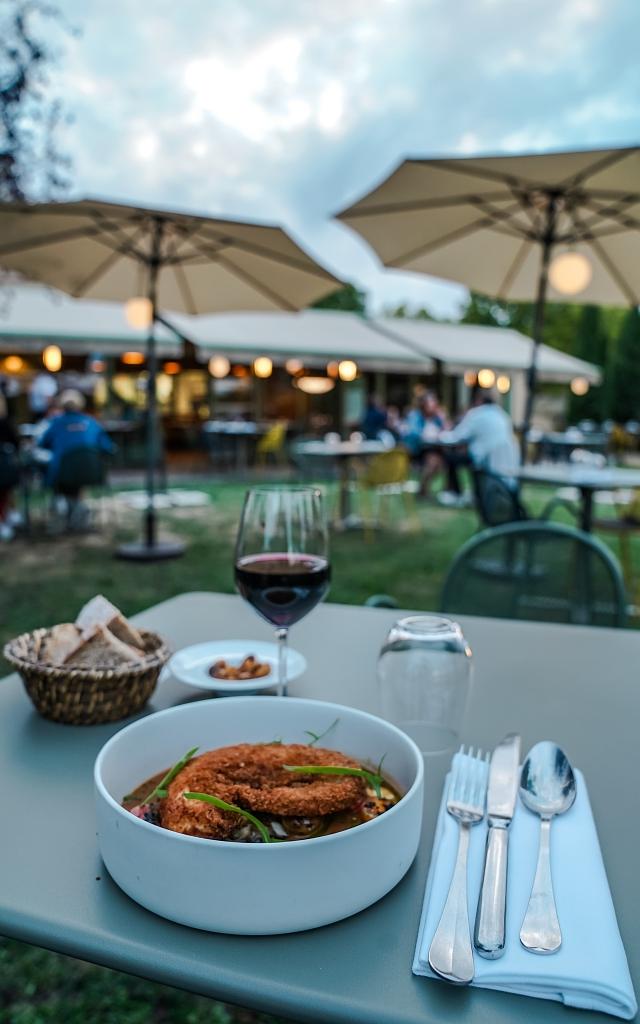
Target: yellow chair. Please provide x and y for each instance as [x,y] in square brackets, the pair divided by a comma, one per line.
[387,476]
[272,443]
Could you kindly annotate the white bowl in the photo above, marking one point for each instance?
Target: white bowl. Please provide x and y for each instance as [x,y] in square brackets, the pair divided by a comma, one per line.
[255,889]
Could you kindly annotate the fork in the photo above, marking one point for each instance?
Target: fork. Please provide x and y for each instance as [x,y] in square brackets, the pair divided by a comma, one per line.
[450,953]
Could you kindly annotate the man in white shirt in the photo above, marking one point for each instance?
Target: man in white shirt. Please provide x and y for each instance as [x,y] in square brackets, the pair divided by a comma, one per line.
[487,432]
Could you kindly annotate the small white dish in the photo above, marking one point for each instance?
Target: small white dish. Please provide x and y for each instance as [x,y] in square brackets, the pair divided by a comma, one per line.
[191,665]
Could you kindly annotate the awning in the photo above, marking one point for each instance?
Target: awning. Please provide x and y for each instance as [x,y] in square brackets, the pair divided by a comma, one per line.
[32,316]
[315,336]
[461,347]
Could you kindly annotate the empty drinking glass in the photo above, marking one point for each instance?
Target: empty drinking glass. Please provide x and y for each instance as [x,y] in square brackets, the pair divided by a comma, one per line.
[424,678]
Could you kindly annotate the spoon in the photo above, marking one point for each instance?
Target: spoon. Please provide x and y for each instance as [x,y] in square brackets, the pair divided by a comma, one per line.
[547,787]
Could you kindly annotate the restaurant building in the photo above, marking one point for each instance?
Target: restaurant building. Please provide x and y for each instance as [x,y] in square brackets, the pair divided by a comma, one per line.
[313,369]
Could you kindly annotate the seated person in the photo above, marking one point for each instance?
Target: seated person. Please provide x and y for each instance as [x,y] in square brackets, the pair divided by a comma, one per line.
[375,418]
[9,474]
[72,429]
[487,432]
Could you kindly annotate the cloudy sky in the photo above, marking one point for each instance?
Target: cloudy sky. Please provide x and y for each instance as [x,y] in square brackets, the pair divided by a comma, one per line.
[285,110]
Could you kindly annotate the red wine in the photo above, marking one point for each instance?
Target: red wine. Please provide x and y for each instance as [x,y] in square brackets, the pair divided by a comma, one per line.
[282,588]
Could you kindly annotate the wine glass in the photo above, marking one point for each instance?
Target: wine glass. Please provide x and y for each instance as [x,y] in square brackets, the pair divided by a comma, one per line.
[281,558]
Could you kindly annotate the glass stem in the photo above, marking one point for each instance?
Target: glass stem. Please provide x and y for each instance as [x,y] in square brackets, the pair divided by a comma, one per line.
[282,635]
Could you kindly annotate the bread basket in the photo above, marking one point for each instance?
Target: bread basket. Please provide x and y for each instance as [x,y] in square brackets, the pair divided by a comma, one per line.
[86,696]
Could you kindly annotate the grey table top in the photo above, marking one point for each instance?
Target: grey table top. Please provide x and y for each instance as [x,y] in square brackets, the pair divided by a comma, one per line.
[575,685]
[341,449]
[591,478]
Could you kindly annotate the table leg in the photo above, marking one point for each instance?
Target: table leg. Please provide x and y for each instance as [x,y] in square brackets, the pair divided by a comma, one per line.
[345,493]
[587,509]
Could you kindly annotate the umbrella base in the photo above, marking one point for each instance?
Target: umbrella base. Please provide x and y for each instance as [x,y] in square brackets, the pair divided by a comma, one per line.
[150,552]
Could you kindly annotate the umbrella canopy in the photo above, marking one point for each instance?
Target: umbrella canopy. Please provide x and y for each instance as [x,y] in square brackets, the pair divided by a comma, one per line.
[485,222]
[495,223]
[100,250]
[177,261]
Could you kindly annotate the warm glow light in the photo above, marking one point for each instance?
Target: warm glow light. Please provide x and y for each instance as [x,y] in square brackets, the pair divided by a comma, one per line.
[579,385]
[139,312]
[262,367]
[486,378]
[240,371]
[164,387]
[13,364]
[219,367]
[570,273]
[347,369]
[294,366]
[503,384]
[315,385]
[132,358]
[332,369]
[172,368]
[470,378]
[52,358]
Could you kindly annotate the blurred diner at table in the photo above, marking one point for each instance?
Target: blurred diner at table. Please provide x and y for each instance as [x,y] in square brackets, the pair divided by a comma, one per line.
[9,469]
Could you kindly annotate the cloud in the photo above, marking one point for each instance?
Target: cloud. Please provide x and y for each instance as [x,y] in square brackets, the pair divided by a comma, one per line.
[286,112]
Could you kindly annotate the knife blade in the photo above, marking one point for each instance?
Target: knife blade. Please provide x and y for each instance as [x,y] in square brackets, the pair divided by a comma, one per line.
[504,775]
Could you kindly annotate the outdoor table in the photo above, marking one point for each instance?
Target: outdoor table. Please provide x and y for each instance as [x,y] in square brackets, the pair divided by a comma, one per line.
[586,479]
[242,434]
[342,453]
[556,446]
[575,685]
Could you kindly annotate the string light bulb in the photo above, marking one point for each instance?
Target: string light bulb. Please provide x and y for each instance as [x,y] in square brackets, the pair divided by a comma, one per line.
[347,370]
[52,358]
[139,312]
[570,272]
[262,367]
[219,367]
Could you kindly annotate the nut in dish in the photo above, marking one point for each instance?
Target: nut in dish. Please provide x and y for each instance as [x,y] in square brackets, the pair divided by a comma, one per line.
[249,668]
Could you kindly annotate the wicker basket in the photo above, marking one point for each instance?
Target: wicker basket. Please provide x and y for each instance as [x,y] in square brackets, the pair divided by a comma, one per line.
[85,696]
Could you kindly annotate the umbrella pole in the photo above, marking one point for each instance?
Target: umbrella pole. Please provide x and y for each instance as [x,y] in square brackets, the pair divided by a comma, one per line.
[150,550]
[548,240]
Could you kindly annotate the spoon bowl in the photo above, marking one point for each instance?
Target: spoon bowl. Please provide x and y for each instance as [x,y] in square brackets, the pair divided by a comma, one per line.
[547,782]
[547,788]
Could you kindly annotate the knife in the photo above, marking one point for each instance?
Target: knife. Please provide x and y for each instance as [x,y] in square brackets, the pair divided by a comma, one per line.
[504,776]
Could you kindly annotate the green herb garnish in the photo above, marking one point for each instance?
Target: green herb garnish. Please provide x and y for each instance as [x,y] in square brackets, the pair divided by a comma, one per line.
[318,736]
[373,778]
[160,790]
[224,806]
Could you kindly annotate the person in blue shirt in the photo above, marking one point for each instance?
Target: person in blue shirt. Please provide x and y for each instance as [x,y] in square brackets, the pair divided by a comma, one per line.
[375,418]
[73,428]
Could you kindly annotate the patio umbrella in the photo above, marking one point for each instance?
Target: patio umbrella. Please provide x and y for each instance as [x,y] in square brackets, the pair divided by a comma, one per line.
[534,228]
[173,261]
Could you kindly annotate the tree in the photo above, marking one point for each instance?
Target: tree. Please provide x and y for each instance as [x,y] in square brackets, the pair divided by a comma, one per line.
[31,165]
[348,299]
[591,344]
[403,312]
[625,389]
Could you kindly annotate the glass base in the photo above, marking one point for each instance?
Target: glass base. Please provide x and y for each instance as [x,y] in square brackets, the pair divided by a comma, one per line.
[431,739]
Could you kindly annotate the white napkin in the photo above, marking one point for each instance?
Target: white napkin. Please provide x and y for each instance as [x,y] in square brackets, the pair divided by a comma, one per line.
[590,969]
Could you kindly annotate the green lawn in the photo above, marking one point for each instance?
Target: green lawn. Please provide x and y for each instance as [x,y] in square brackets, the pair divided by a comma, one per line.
[47,581]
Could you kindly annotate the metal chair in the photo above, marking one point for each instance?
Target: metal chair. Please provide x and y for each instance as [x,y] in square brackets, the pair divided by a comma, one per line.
[546,572]
[387,476]
[273,444]
[79,468]
[9,467]
[496,501]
